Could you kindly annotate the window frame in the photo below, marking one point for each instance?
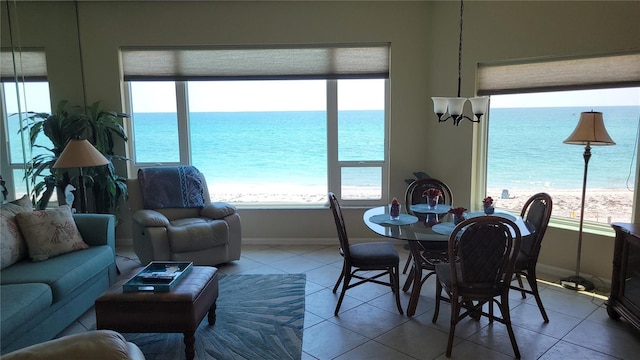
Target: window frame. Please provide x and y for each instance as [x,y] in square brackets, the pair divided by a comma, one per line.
[334,165]
[605,77]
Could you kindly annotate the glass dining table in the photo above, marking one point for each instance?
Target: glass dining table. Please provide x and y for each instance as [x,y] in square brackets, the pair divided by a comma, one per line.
[430,225]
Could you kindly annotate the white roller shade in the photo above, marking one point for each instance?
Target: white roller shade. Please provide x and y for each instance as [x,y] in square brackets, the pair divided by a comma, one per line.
[277,63]
[30,65]
[617,70]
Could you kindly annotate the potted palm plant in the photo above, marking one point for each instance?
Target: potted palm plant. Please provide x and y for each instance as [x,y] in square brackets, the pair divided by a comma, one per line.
[100,127]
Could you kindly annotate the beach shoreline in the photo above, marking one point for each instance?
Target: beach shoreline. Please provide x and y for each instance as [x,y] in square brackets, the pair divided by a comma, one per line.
[601,205]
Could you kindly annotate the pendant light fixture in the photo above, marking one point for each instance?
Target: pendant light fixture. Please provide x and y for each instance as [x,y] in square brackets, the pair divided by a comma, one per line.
[453,107]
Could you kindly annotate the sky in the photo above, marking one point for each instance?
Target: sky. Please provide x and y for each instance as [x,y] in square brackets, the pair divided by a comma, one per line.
[310,95]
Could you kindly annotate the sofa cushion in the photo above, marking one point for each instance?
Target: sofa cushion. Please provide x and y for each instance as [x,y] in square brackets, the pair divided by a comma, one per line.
[12,245]
[50,233]
[63,273]
[21,302]
[193,234]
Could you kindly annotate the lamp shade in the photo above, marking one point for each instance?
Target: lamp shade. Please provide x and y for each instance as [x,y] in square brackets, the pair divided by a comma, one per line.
[78,154]
[590,131]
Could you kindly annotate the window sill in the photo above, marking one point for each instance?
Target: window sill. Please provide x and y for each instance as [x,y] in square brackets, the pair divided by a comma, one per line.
[587,227]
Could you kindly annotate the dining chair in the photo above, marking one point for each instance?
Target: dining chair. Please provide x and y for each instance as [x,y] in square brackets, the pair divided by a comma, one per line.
[482,252]
[431,252]
[381,258]
[536,213]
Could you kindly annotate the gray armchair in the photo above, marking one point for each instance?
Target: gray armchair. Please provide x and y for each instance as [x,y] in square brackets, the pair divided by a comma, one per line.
[207,235]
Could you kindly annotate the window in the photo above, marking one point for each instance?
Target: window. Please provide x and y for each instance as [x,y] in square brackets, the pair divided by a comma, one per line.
[35,97]
[267,139]
[526,153]
[23,88]
[532,112]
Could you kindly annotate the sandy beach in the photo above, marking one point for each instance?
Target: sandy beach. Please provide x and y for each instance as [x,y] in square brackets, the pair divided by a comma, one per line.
[601,205]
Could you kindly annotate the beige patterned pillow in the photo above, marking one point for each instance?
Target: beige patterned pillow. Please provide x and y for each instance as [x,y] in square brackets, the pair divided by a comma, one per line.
[49,233]
[12,245]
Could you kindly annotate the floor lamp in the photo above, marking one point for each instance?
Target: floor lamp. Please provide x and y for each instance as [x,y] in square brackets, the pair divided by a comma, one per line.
[80,154]
[589,132]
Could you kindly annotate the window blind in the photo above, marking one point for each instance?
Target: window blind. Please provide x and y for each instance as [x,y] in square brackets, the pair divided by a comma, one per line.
[614,70]
[30,65]
[258,63]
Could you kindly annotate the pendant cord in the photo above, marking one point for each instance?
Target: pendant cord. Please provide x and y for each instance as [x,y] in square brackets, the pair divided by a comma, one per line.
[460,49]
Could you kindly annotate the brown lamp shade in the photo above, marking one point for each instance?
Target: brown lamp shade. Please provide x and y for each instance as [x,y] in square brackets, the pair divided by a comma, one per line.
[590,131]
[78,154]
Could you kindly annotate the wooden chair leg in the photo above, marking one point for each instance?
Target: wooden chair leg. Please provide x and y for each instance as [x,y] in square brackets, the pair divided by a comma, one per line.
[395,287]
[531,278]
[345,285]
[455,313]
[335,288]
[436,310]
[504,309]
[521,285]
[406,265]
[408,281]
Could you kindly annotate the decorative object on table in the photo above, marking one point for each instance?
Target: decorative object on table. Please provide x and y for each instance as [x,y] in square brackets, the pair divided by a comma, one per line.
[458,214]
[432,195]
[590,131]
[80,154]
[394,209]
[487,204]
[454,106]
[68,195]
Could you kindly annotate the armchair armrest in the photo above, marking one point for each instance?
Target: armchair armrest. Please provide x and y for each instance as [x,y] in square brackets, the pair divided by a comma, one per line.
[150,218]
[217,210]
[97,229]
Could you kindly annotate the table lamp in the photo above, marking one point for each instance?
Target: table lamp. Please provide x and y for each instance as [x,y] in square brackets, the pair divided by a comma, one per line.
[589,132]
[79,153]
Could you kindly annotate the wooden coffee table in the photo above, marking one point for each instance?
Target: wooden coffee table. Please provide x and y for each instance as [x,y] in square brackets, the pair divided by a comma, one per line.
[179,311]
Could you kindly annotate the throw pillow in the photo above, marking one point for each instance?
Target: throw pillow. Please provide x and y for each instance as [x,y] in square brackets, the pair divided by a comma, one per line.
[49,233]
[12,245]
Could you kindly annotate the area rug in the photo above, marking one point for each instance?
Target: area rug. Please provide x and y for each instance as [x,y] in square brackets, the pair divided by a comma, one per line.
[258,317]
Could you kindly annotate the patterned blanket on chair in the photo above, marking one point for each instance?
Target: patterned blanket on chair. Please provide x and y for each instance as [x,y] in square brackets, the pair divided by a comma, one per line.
[171,187]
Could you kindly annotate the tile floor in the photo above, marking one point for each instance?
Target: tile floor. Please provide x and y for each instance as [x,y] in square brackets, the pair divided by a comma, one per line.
[369,326]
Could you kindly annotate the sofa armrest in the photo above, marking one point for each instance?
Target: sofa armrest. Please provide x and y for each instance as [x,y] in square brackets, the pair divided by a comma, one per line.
[217,210]
[97,344]
[97,229]
[150,218]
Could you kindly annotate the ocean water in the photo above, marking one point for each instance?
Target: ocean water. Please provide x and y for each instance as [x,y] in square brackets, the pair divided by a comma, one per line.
[527,151]
[526,146]
[274,147]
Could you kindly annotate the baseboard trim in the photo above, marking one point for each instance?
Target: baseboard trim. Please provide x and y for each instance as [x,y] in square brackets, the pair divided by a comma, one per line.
[542,268]
[561,273]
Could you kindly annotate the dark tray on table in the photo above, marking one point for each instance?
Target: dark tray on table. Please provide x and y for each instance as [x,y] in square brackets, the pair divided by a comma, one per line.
[158,276]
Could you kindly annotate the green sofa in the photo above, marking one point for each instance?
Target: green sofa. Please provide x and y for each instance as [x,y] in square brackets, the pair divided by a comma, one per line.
[40,299]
